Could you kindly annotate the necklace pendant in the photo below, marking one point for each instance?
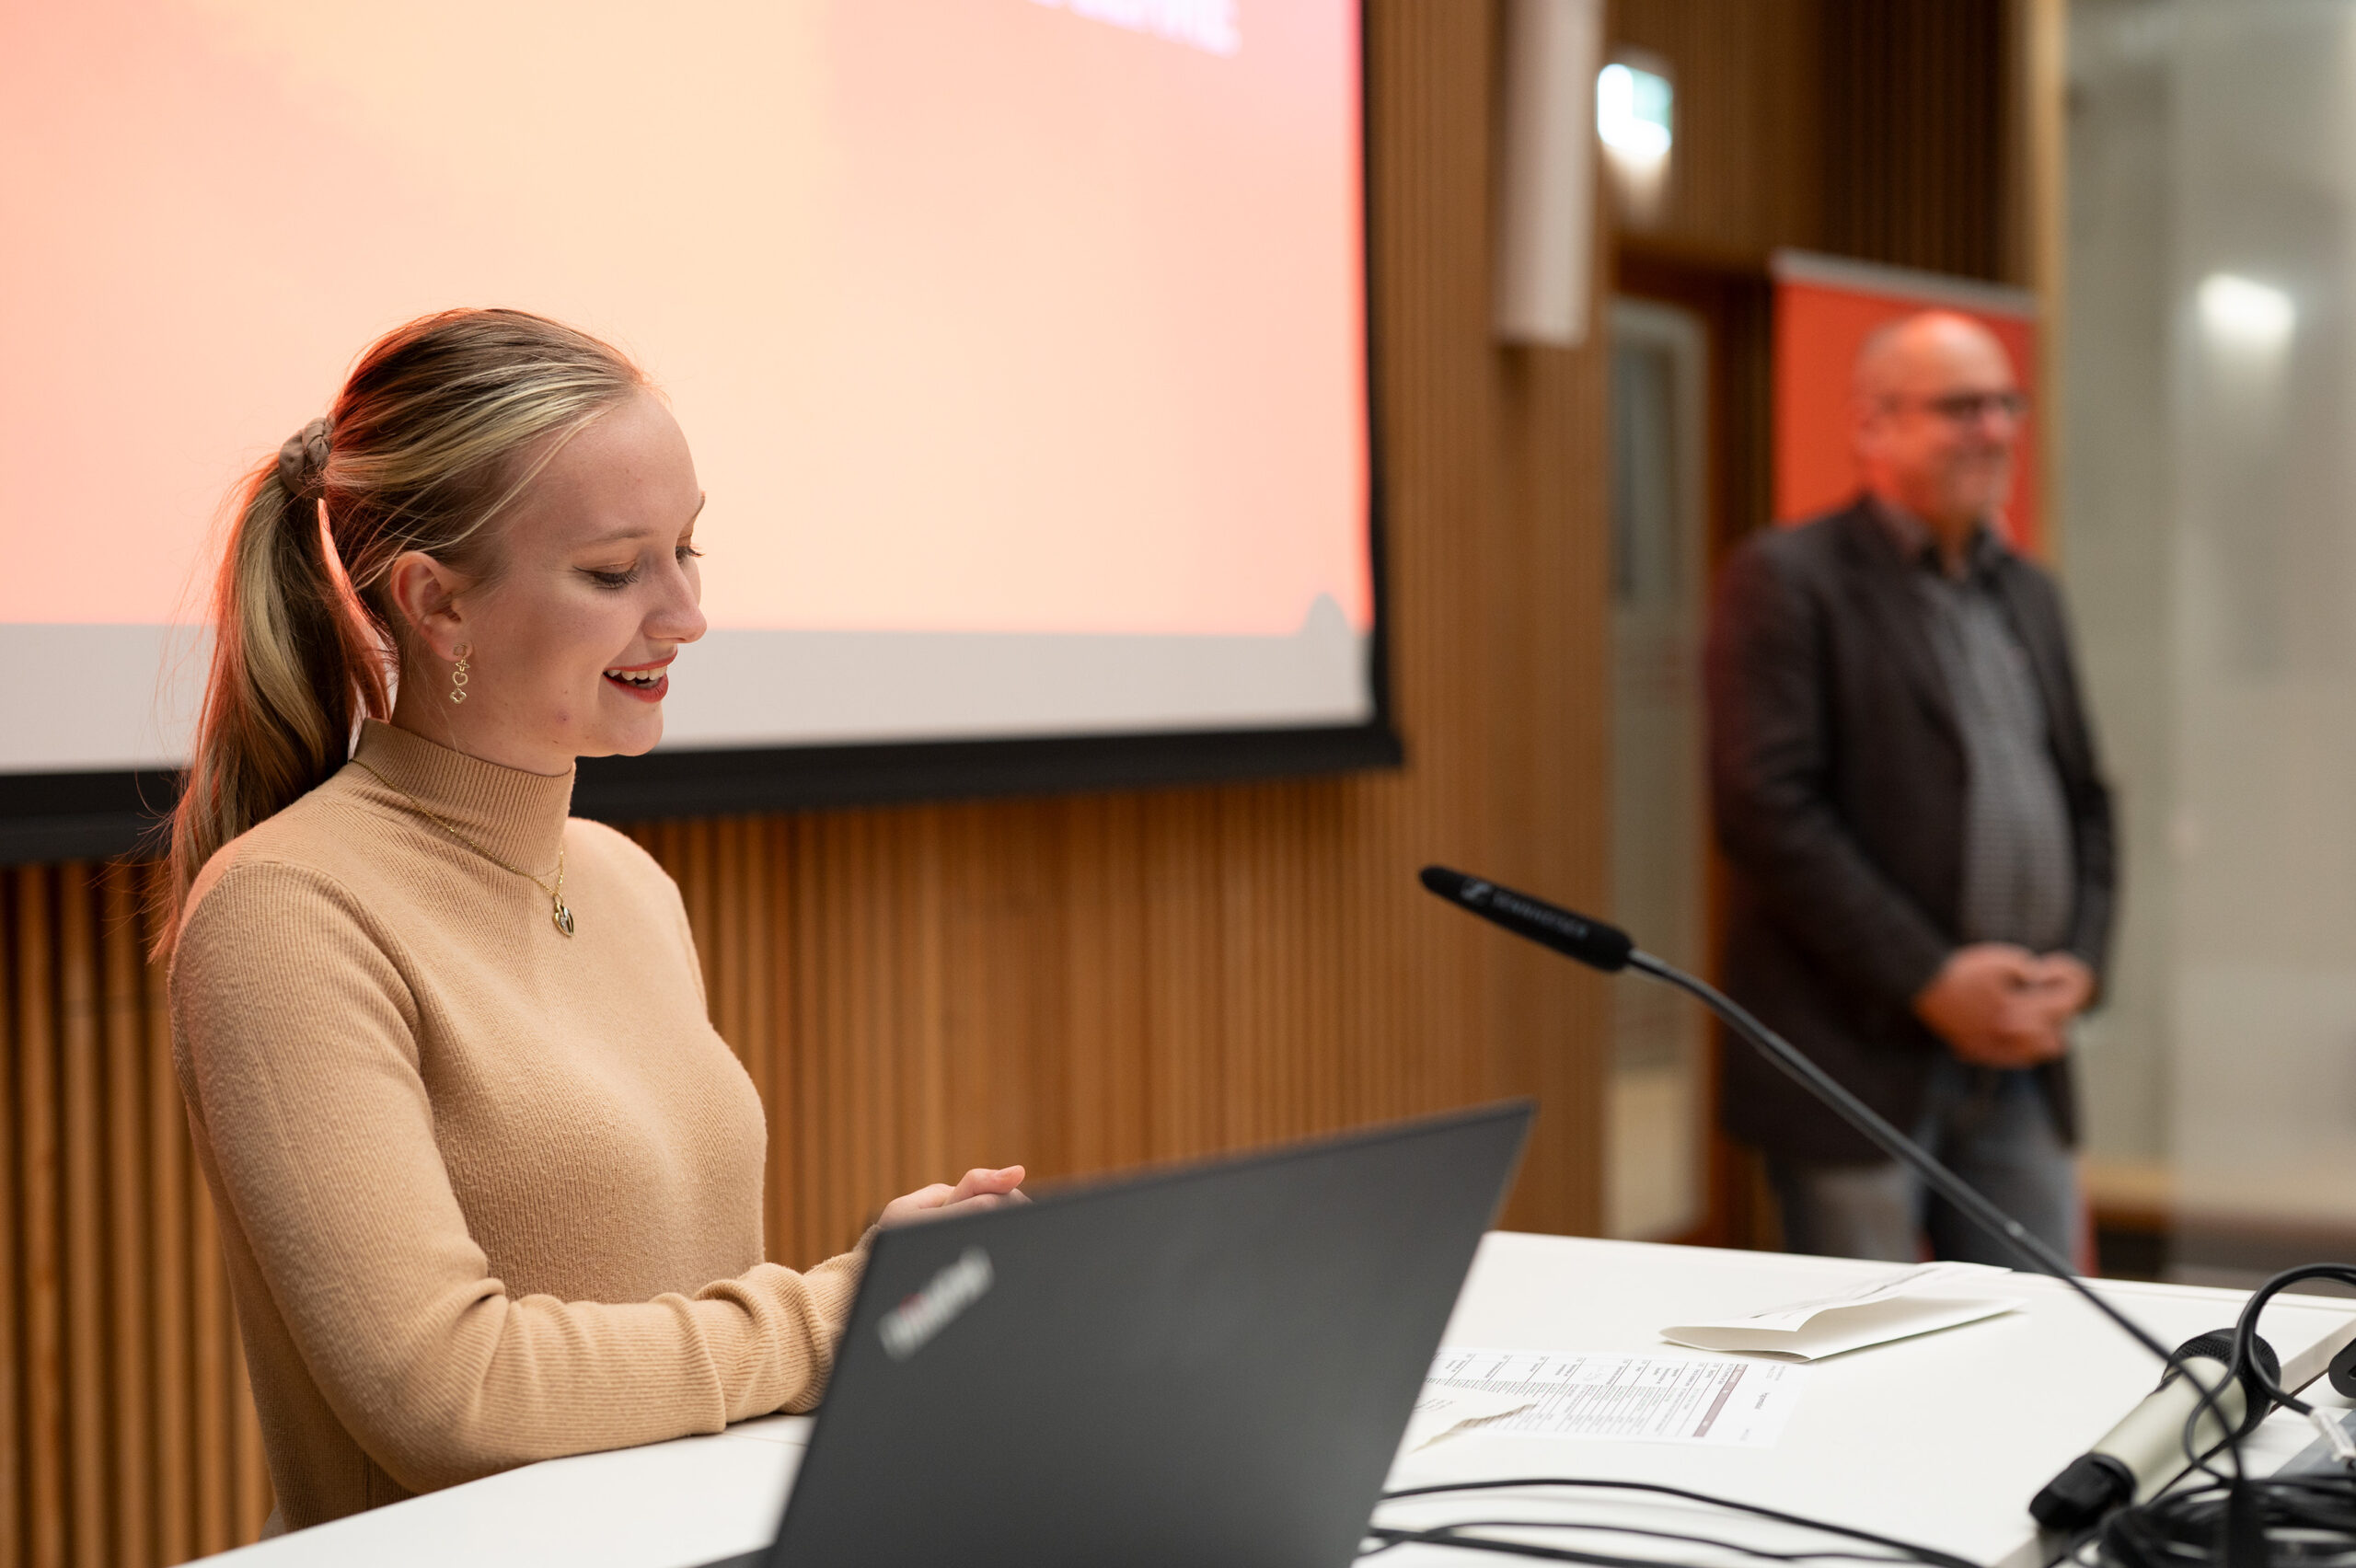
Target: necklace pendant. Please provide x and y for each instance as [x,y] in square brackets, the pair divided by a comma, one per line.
[560,915]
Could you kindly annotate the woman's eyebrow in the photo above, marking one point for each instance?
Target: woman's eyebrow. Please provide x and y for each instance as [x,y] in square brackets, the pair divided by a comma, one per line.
[618,535]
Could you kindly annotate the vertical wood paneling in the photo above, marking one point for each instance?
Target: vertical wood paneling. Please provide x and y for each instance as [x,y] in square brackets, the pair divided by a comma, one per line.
[125,1434]
[1918,101]
[36,1064]
[1908,132]
[15,1362]
[1086,983]
[1746,172]
[2038,209]
[173,1188]
[210,1326]
[133,1293]
[84,1281]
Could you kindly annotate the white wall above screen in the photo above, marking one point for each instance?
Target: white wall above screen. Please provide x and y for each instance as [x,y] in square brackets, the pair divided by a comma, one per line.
[1021,342]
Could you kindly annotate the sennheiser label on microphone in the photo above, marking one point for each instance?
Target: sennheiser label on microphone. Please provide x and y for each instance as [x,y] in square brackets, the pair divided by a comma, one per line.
[1576,930]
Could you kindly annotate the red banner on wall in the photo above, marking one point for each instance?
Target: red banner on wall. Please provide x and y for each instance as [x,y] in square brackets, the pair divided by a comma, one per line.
[1825,306]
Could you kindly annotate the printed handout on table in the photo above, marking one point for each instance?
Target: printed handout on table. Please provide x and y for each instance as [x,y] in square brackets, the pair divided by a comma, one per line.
[1613,1394]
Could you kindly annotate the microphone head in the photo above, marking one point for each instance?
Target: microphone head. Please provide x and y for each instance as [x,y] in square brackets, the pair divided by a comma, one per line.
[1575,936]
[2218,1345]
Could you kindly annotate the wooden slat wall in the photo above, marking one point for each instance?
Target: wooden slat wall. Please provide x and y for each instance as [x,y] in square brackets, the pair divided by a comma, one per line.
[126,1435]
[1897,130]
[1075,983]
[1746,175]
[1918,99]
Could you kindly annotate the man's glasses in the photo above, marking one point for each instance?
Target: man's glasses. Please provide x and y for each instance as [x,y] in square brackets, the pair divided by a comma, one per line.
[1968,407]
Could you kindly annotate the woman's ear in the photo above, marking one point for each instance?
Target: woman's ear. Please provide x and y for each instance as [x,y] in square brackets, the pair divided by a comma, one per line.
[426,594]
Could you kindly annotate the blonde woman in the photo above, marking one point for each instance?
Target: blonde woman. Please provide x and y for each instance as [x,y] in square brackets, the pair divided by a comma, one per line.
[489,1184]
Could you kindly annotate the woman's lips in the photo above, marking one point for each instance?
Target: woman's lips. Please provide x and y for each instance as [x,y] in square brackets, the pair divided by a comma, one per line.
[652,691]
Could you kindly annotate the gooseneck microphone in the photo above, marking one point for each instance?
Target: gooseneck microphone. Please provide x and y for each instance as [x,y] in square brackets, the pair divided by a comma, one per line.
[1592,942]
[1609,949]
[2146,1449]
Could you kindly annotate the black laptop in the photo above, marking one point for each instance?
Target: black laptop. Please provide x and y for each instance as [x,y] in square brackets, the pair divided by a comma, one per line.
[1205,1365]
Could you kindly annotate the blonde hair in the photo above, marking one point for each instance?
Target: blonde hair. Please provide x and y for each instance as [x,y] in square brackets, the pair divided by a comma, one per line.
[442,424]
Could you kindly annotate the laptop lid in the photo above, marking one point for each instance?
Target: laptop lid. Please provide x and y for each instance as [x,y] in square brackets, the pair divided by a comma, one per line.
[1210,1363]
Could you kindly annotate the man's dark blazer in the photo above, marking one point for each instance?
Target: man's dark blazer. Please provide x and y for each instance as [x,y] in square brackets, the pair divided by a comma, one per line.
[1837,780]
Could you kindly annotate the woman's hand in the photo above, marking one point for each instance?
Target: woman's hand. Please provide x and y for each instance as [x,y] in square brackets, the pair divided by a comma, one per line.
[980,1189]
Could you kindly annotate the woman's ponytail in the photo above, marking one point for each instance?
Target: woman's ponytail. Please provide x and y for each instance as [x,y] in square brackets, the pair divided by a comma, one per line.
[418,455]
[290,672]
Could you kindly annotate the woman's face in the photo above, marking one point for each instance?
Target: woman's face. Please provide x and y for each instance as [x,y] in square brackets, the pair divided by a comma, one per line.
[569,643]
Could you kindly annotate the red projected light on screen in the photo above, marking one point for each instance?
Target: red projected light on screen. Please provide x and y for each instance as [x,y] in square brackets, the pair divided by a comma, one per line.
[1020,342]
[982,316]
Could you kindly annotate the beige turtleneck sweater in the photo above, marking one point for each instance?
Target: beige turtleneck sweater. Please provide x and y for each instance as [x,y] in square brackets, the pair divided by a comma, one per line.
[488,1193]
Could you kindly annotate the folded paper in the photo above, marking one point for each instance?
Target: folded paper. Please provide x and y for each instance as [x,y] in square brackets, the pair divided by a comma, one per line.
[1918,1300]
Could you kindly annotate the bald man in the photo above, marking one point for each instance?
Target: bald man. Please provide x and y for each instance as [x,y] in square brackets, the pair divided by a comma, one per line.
[1905,784]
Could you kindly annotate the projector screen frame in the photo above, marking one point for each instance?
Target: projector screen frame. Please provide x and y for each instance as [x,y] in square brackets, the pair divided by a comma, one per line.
[55,817]
[48,817]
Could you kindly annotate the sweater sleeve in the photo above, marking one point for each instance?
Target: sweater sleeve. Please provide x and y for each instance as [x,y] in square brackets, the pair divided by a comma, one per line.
[299,1064]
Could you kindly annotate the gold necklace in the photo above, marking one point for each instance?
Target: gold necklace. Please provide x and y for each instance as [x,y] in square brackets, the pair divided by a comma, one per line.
[560,915]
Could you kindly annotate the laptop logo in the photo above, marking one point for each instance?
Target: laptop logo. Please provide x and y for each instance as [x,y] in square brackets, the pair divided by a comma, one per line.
[909,1327]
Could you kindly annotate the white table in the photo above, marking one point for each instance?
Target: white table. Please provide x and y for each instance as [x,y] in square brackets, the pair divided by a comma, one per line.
[1940,1440]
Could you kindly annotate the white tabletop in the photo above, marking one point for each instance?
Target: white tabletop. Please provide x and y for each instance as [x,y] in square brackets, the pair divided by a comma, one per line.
[1940,1439]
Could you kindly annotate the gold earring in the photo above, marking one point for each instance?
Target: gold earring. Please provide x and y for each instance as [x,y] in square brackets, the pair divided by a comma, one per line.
[458,676]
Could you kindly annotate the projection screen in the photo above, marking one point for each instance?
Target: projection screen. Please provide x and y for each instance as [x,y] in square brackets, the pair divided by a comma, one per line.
[1020,343]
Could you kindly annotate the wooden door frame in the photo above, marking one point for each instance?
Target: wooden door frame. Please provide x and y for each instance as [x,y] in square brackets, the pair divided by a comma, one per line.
[1735,305]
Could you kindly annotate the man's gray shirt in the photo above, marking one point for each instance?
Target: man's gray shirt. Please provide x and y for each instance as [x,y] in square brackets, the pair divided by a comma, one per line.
[2019,877]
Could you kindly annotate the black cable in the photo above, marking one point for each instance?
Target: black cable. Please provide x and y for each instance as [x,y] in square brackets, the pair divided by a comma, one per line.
[1506,1549]
[1446,1535]
[2236,1517]
[1441,1535]
[1906,1550]
[2307,1519]
[2246,1329]
[2005,1229]
[2001,1226]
